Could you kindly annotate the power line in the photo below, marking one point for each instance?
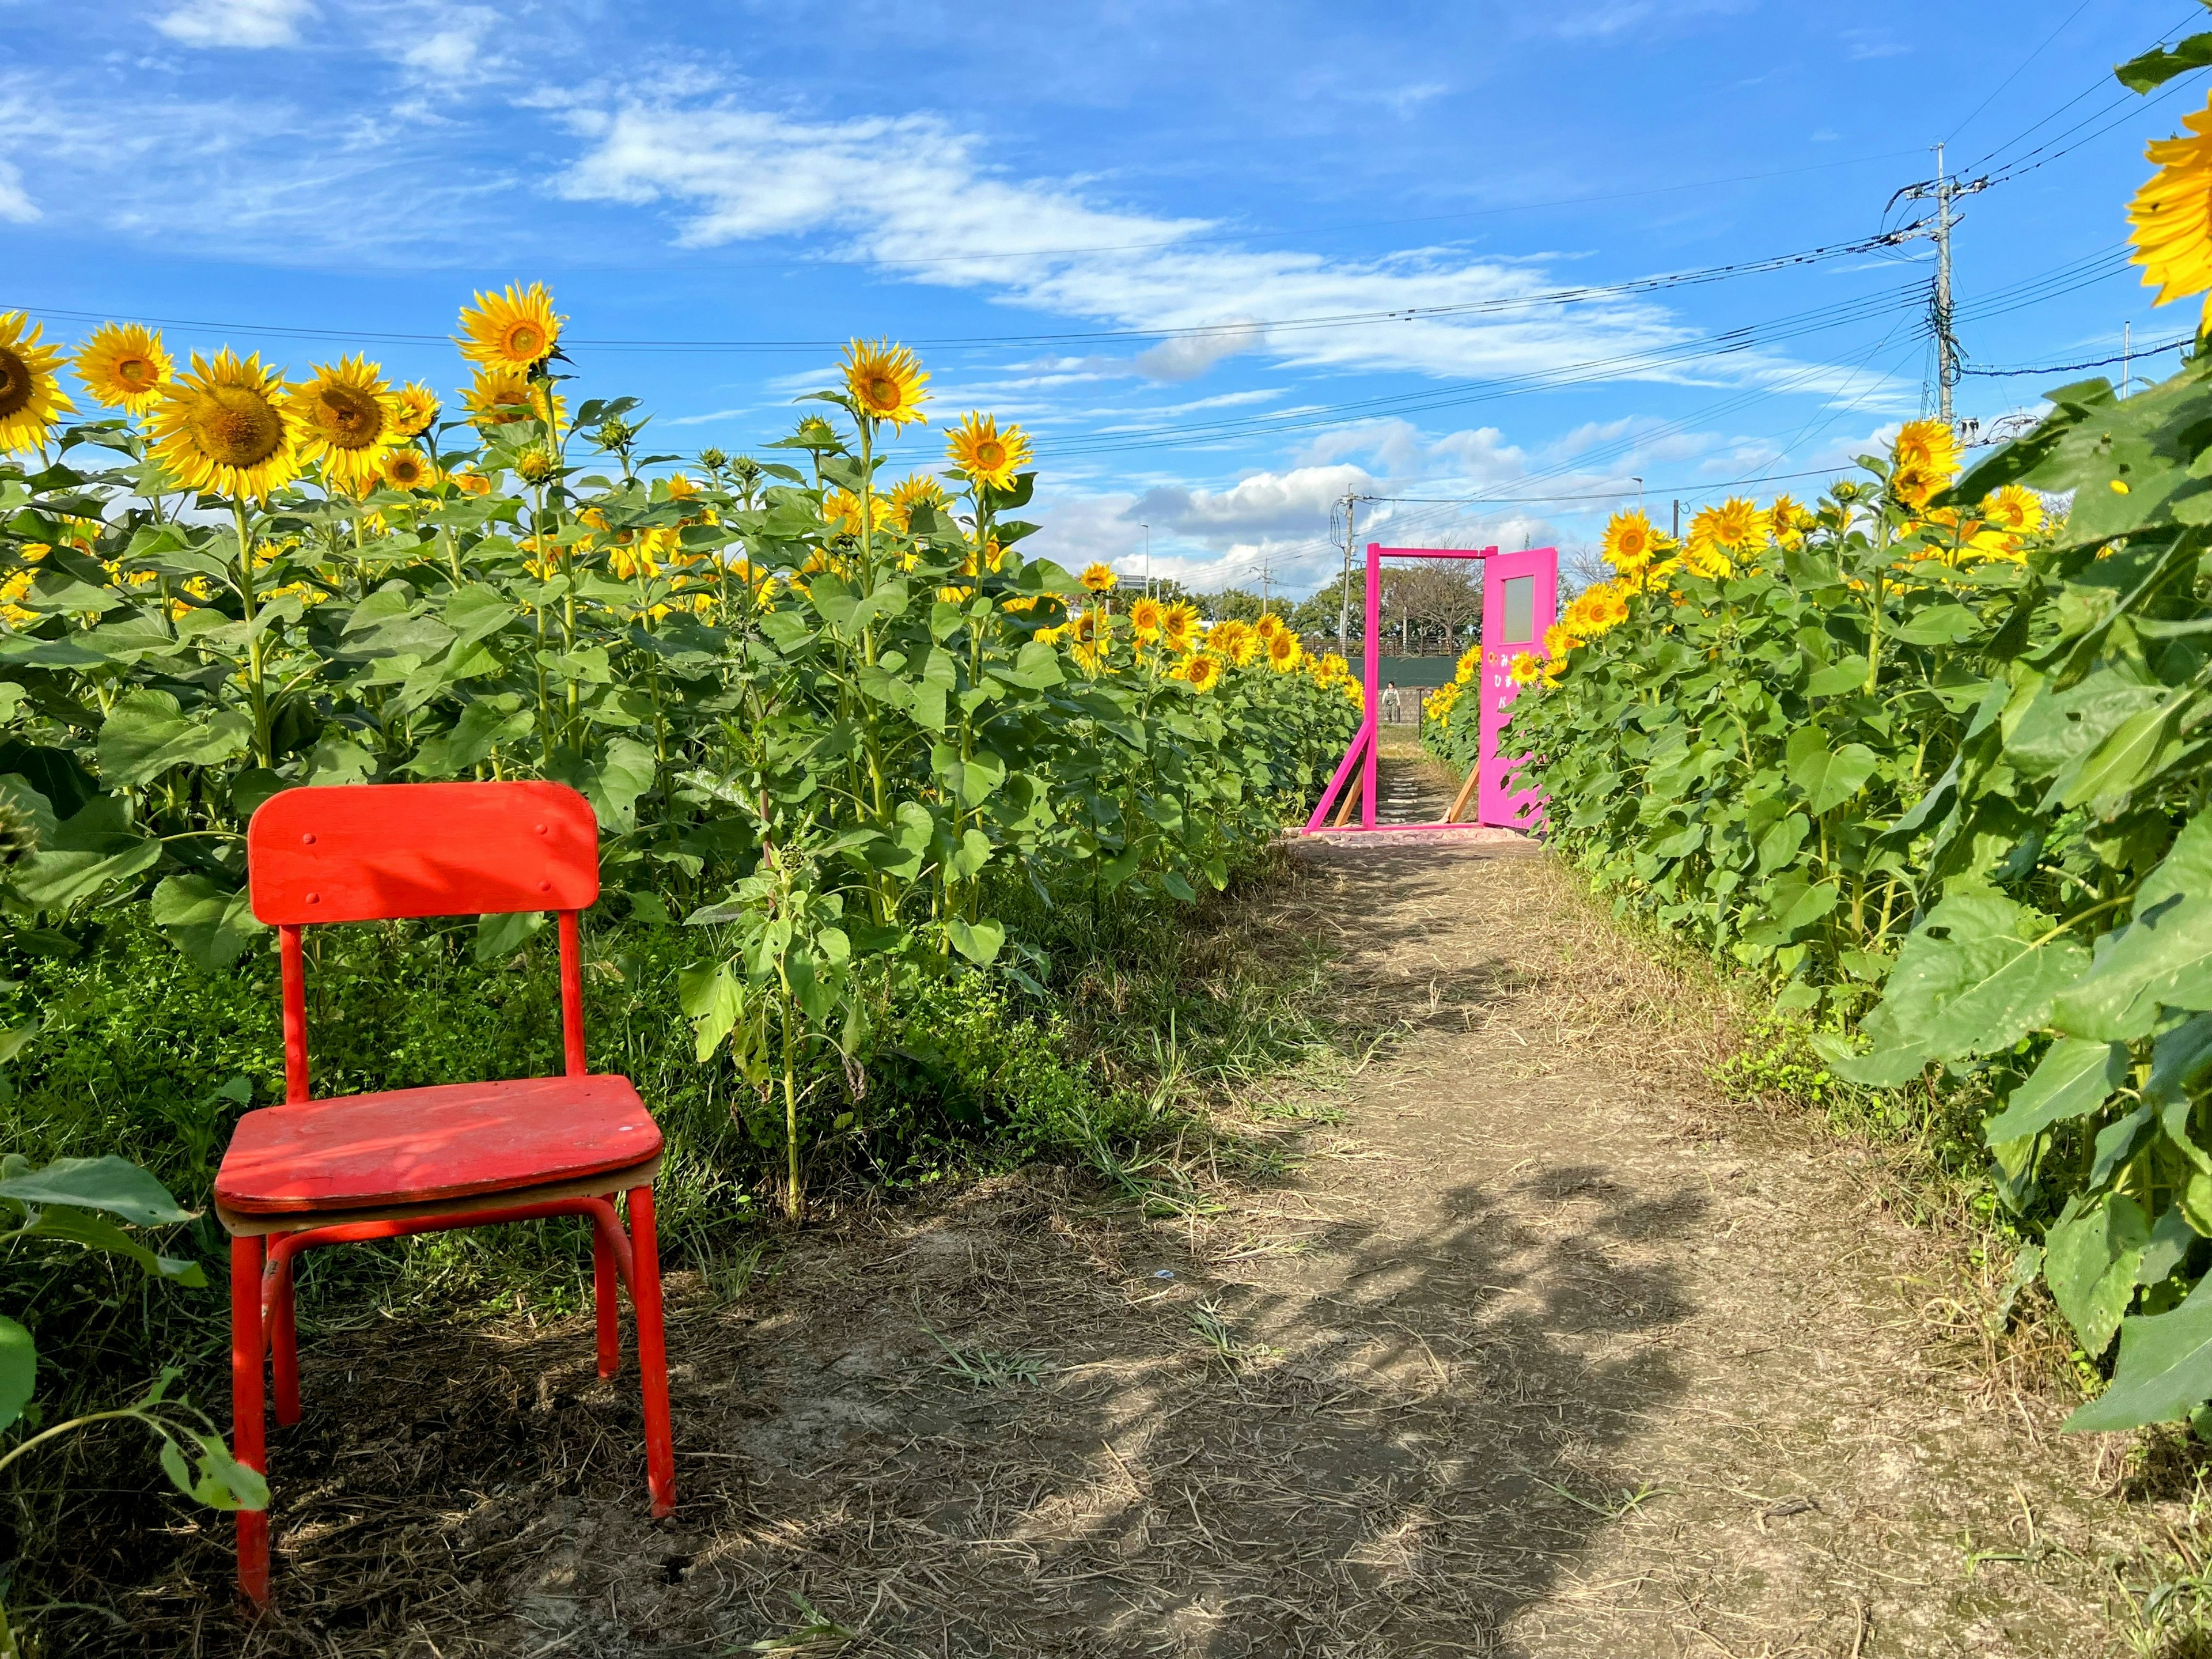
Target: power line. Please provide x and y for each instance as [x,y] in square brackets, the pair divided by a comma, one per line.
[2174,345]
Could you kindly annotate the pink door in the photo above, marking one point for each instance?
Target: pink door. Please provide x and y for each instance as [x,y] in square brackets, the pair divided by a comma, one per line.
[1520,600]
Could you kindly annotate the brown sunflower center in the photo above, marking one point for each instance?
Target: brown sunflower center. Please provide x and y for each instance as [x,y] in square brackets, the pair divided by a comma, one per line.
[990,455]
[348,417]
[405,470]
[236,426]
[14,383]
[883,393]
[137,373]
[525,342]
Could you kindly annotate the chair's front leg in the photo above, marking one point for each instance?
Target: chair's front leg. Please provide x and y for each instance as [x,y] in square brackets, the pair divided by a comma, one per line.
[652,1352]
[606,1298]
[248,1445]
[283,1339]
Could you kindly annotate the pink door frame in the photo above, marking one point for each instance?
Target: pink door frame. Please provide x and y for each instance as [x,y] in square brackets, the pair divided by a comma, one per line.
[1543,562]
[1497,801]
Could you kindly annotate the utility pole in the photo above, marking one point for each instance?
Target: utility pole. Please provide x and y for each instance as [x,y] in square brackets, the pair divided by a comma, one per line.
[1677,519]
[1943,191]
[1265,575]
[1344,588]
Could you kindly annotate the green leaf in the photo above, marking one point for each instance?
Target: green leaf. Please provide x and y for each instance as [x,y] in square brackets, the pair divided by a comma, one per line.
[499,936]
[1837,679]
[147,733]
[2186,868]
[211,926]
[56,880]
[2164,957]
[113,1184]
[1940,624]
[1778,847]
[1828,779]
[76,1227]
[2162,63]
[2089,1260]
[19,1369]
[978,941]
[713,1001]
[1179,888]
[2074,1078]
[2165,1368]
[1977,976]
[484,725]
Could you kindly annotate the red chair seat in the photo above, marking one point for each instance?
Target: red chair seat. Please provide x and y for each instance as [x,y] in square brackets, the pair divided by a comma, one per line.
[412,1145]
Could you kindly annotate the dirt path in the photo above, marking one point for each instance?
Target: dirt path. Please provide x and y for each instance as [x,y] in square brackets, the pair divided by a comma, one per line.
[1532,1348]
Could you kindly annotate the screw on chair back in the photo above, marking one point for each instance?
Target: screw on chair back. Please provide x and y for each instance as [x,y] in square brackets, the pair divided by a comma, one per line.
[386,851]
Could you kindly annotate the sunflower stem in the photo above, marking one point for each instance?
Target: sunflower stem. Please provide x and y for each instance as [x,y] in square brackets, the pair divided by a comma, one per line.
[256,693]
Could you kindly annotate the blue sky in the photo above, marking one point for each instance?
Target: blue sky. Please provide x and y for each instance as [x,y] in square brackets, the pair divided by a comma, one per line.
[1167,239]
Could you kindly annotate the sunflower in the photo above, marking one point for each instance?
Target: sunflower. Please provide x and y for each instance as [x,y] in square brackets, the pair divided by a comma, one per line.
[515,330]
[1266,627]
[499,396]
[1528,668]
[347,418]
[124,367]
[1284,651]
[1786,522]
[1202,673]
[409,469]
[917,489]
[1928,448]
[1736,526]
[1179,626]
[885,382]
[841,510]
[31,398]
[1629,542]
[225,428]
[2014,506]
[985,454]
[1146,614]
[472,483]
[536,464]
[2173,214]
[1558,641]
[418,407]
[1099,578]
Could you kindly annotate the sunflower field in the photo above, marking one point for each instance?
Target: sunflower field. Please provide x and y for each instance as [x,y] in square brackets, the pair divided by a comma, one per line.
[1934,755]
[833,718]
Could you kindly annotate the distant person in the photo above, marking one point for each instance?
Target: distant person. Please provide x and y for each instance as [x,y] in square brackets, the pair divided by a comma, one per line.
[1391,700]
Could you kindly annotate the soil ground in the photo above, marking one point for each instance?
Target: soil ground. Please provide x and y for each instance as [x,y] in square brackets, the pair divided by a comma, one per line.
[1521,1340]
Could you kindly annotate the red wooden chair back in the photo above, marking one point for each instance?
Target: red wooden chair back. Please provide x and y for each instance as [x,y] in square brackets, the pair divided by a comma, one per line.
[383,852]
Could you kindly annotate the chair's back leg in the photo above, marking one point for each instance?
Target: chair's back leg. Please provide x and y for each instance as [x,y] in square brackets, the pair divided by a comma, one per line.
[652,1352]
[248,1445]
[284,1341]
[606,1299]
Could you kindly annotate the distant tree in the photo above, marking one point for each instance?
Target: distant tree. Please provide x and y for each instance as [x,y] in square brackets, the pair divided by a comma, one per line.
[1240,604]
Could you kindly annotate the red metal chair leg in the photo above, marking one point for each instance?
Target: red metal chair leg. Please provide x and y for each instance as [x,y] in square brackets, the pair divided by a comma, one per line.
[247,1429]
[606,1297]
[652,1352]
[283,1342]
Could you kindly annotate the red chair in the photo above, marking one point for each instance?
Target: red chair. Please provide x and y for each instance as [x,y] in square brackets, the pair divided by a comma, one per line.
[314,1172]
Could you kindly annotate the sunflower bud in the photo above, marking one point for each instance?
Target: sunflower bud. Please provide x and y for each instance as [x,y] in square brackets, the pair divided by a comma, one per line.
[713,459]
[19,835]
[534,466]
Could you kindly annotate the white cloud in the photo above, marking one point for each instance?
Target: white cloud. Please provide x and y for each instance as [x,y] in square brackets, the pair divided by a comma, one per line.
[247,24]
[452,52]
[1189,355]
[15,205]
[917,198]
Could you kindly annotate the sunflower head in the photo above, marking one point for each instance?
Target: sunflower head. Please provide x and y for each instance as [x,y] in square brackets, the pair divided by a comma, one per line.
[1202,673]
[1099,578]
[349,418]
[32,400]
[1628,543]
[2015,507]
[1786,522]
[1229,637]
[1179,626]
[517,329]
[1266,627]
[123,366]
[2172,213]
[1929,450]
[1527,667]
[917,489]
[842,510]
[985,455]
[408,469]
[499,396]
[1144,616]
[1284,651]
[226,428]
[885,382]
[418,407]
